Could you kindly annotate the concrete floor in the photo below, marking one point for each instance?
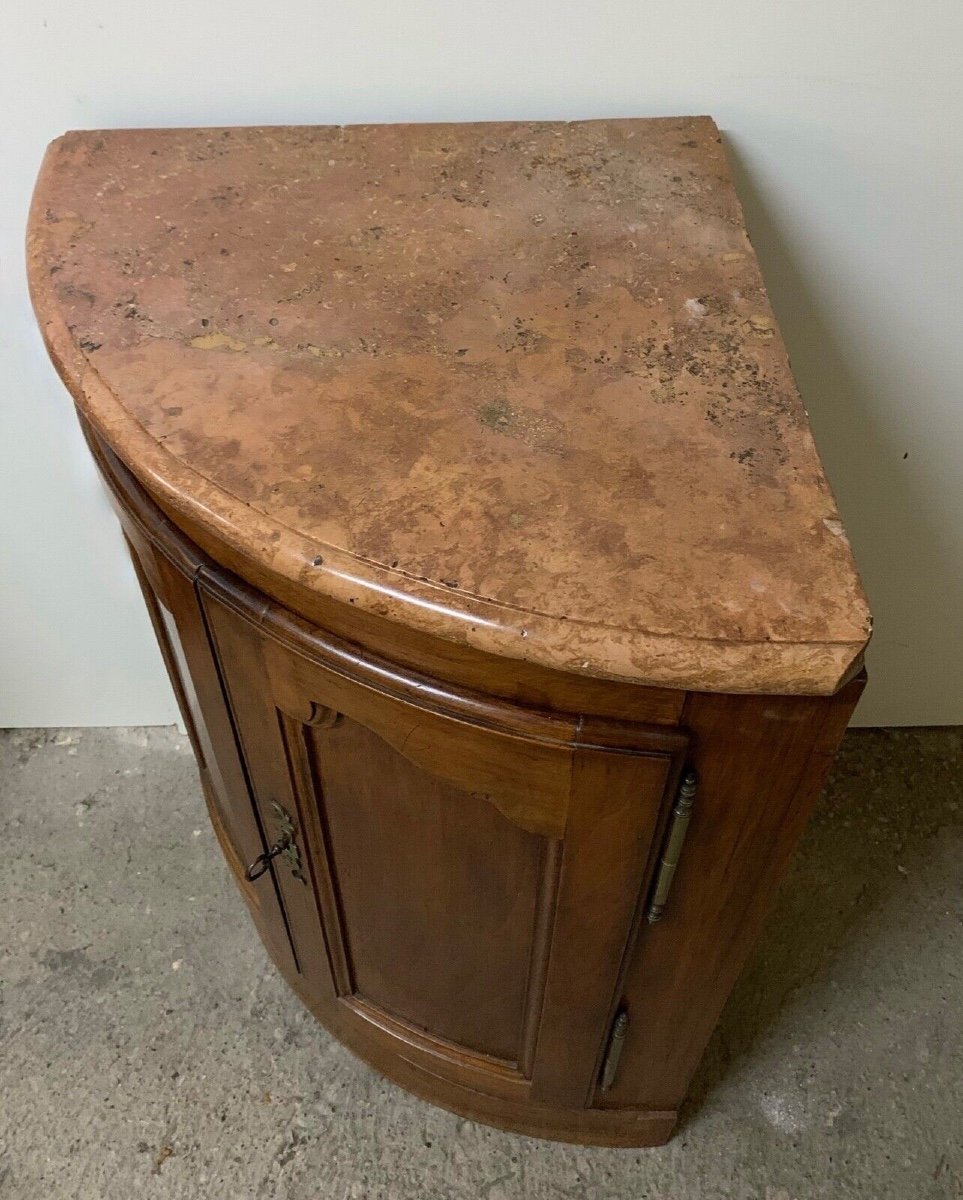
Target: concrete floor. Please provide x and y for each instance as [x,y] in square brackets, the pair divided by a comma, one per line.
[147,1048]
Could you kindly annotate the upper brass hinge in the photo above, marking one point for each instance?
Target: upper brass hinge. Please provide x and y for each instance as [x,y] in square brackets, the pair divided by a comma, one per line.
[672,847]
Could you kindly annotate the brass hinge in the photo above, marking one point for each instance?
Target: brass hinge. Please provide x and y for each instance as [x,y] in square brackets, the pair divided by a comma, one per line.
[672,847]
[613,1051]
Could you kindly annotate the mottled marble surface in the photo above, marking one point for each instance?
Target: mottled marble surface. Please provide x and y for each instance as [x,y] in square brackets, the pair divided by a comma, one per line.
[517,385]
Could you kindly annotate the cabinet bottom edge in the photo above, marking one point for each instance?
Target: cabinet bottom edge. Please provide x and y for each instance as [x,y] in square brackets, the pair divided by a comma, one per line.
[626,1128]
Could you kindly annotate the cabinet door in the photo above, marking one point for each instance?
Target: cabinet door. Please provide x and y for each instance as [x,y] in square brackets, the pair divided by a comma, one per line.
[166,572]
[464,874]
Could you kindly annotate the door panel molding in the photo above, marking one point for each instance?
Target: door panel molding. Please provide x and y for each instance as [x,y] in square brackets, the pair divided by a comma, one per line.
[306,788]
[473,843]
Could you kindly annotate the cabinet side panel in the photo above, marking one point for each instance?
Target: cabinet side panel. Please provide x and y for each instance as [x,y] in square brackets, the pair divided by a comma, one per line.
[761,762]
[181,630]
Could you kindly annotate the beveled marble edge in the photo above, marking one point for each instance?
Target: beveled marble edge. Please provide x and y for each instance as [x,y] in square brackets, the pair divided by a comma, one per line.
[627,655]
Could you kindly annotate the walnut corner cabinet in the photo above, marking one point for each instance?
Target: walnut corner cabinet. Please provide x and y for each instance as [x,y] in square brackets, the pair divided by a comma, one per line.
[493,564]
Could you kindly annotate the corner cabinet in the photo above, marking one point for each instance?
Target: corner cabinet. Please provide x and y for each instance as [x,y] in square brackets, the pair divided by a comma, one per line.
[492,560]
[461,887]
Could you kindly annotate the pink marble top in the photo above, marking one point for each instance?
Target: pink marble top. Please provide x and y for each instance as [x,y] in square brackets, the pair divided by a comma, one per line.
[516,385]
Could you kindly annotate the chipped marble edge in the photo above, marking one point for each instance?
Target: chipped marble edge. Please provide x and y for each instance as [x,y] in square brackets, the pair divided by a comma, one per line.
[568,645]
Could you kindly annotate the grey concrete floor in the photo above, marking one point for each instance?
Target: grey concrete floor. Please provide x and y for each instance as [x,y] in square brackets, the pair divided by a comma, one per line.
[147,1048]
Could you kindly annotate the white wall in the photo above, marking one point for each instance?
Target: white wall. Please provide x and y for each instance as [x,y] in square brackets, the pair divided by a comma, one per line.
[845,123]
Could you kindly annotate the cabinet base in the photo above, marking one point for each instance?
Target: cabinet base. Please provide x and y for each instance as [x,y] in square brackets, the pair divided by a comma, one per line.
[586,1127]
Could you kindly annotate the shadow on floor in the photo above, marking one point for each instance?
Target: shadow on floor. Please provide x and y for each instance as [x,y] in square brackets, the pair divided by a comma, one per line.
[890,792]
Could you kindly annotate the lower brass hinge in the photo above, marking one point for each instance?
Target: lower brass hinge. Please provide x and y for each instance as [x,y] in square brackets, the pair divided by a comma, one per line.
[613,1052]
[672,848]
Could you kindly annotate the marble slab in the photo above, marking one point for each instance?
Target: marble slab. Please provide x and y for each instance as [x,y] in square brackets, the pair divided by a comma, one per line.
[515,385]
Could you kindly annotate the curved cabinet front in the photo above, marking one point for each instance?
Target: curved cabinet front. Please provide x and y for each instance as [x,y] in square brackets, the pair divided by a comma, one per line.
[467,873]
[457,878]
